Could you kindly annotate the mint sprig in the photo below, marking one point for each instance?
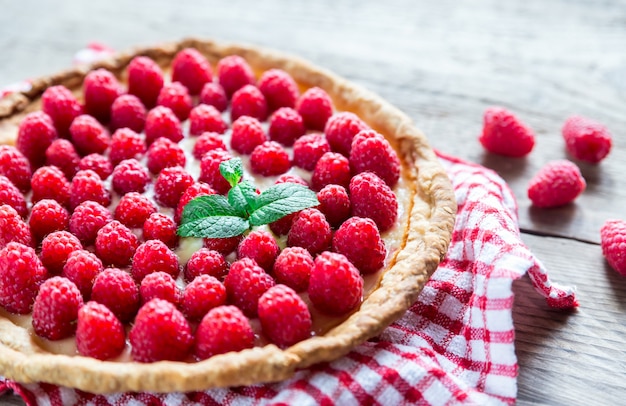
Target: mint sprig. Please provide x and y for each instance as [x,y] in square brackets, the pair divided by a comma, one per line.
[217,216]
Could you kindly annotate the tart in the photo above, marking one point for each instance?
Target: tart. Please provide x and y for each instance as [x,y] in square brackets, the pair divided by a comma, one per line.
[416,241]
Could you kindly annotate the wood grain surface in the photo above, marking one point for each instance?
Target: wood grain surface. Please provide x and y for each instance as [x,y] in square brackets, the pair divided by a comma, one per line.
[442,63]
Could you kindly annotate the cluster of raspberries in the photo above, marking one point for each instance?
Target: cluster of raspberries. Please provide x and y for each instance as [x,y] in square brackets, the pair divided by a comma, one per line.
[92,194]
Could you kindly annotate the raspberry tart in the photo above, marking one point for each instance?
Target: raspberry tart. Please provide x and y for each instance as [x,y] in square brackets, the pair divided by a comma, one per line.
[226,215]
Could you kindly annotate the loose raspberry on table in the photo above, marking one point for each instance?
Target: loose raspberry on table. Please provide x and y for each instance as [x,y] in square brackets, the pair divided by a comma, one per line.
[503,133]
[286,126]
[613,243]
[56,247]
[315,107]
[21,275]
[11,195]
[47,216]
[62,154]
[224,246]
[160,333]
[214,95]
[170,185]
[34,135]
[191,68]
[293,268]
[100,89]
[331,168]
[61,105]
[116,244]
[82,267]
[335,286]
[98,163]
[210,170]
[87,219]
[223,329]
[586,139]
[283,225]
[164,153]
[55,310]
[15,166]
[308,149]
[176,96]
[233,73]
[13,228]
[371,197]
[145,80]
[130,176]
[284,316]
[206,262]
[205,118]
[261,247]
[161,227]
[245,283]
[556,184]
[247,133]
[291,178]
[248,101]
[310,230]
[269,159]
[208,142]
[49,182]
[87,185]
[99,333]
[89,136]
[371,152]
[128,111]
[193,191]
[162,122]
[279,89]
[358,239]
[126,144]
[334,203]
[116,290]
[341,129]
[134,209]
[201,295]
[154,256]
[159,285]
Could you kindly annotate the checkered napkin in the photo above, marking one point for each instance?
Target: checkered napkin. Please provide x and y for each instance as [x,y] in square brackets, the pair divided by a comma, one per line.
[455,345]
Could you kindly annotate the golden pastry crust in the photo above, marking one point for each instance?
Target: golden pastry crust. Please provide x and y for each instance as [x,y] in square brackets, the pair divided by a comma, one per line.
[432,210]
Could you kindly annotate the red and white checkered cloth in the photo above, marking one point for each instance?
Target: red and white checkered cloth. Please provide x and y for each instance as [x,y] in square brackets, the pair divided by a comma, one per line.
[455,345]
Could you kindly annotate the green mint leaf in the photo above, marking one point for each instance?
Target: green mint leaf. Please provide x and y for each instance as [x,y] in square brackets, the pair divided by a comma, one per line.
[243,198]
[281,200]
[232,170]
[214,227]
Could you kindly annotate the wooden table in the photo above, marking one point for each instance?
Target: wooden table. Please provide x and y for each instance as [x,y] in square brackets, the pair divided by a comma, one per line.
[442,63]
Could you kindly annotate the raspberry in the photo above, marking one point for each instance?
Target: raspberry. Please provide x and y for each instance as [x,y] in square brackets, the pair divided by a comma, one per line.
[34,135]
[56,308]
[331,168]
[48,182]
[358,240]
[99,334]
[223,329]
[162,122]
[308,149]
[224,246]
[15,166]
[126,144]
[371,152]
[116,244]
[160,332]
[293,268]
[193,191]
[145,80]
[371,197]
[11,195]
[134,209]
[100,89]
[586,139]
[46,217]
[210,170]
[291,178]
[89,136]
[56,247]
[207,142]
[286,126]
[341,129]
[335,286]
[116,290]
[315,107]
[164,153]
[334,203]
[13,228]
[245,283]
[248,101]
[130,176]
[59,103]
[613,243]
[62,154]
[128,111]
[233,73]
[269,159]
[556,184]
[201,295]
[159,285]
[160,227]
[247,133]
[82,267]
[170,186]
[98,163]
[206,262]
[504,134]
[283,225]
[176,96]
[87,185]
[87,219]
[205,118]
[279,89]
[310,230]
[214,95]
[154,256]
[284,316]
[192,69]
[261,247]
[21,274]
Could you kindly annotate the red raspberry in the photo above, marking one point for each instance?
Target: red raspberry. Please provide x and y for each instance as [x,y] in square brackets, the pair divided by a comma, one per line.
[154,256]
[89,136]
[315,107]
[128,111]
[176,96]
[56,247]
[233,73]
[284,316]
[61,105]
[310,230]
[279,89]
[21,274]
[336,286]
[206,262]
[46,217]
[11,195]
[87,185]
[293,268]
[130,176]
[205,118]
[82,267]
[15,166]
[62,154]
[13,228]
[586,139]
[34,135]
[160,227]
[116,244]
[556,184]
[371,197]
[331,168]
[56,308]
[100,89]
[193,191]
[126,144]
[283,225]
[201,295]
[247,133]
[192,69]
[291,178]
[613,242]
[248,101]
[261,247]
[87,219]
[207,142]
[358,240]
[164,153]
[145,80]
[308,149]
[334,203]
[224,246]
[245,283]
[48,182]
[286,126]
[223,329]
[99,334]
[214,95]
[170,186]
[504,134]
[210,170]
[160,332]
[134,209]
[98,163]
[269,159]
[341,129]
[116,290]
[371,152]
[159,285]
[162,122]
